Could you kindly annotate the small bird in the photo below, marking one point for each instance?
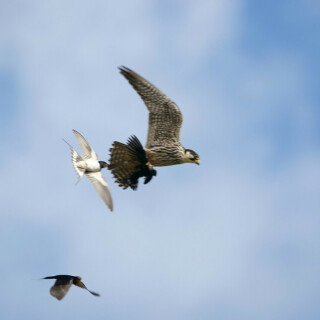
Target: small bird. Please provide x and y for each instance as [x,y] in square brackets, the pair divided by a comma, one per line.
[90,165]
[163,147]
[63,284]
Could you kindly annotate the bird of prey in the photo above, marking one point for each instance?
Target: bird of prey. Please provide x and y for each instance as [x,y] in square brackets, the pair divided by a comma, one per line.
[163,147]
[90,165]
[63,284]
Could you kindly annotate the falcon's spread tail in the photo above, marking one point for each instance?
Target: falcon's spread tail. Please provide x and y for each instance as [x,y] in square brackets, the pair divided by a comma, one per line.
[77,162]
[128,162]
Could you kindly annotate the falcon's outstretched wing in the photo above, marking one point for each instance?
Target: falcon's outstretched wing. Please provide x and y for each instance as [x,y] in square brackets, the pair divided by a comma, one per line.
[165,117]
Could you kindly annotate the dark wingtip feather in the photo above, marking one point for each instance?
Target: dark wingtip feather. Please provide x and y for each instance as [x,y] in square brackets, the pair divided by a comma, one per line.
[135,143]
[130,75]
[124,69]
[94,293]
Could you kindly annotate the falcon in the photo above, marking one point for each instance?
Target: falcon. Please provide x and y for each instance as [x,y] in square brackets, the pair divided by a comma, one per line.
[63,284]
[128,162]
[88,164]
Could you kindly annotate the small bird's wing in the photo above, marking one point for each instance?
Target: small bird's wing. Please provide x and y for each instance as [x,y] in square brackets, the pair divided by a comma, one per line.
[165,117]
[60,288]
[101,186]
[87,151]
[81,285]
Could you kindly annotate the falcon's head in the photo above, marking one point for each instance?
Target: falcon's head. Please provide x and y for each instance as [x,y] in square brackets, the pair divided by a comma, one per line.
[191,156]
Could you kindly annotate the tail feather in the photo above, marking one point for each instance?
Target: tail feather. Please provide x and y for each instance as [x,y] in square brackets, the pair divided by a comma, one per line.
[122,163]
[76,162]
[128,163]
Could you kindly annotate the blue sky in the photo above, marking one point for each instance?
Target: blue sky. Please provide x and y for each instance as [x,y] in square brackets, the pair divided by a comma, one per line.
[234,238]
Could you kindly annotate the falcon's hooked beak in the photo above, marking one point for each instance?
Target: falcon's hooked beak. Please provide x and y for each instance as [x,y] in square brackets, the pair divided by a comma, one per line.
[197,161]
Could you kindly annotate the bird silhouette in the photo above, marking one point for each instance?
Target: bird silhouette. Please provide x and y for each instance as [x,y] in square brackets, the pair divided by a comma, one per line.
[63,284]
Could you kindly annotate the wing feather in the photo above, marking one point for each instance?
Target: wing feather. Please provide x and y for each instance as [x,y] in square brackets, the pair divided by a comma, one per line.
[82,285]
[87,151]
[76,160]
[165,117]
[101,186]
[60,288]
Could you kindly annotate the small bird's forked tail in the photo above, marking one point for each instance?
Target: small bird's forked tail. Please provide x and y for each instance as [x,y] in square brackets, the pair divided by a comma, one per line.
[76,162]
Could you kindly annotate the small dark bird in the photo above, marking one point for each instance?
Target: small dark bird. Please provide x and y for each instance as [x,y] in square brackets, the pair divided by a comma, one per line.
[129,162]
[63,284]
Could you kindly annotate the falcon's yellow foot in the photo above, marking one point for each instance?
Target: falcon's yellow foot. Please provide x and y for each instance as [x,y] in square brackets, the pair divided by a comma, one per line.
[150,166]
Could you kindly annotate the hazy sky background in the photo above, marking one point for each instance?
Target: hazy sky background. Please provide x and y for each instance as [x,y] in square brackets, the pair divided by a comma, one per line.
[234,238]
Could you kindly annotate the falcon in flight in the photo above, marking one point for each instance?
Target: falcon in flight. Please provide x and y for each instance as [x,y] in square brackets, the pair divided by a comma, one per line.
[63,284]
[128,162]
[90,165]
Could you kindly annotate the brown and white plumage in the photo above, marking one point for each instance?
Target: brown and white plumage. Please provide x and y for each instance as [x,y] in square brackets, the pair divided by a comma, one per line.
[165,117]
[165,121]
[89,164]
[163,147]
[63,284]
